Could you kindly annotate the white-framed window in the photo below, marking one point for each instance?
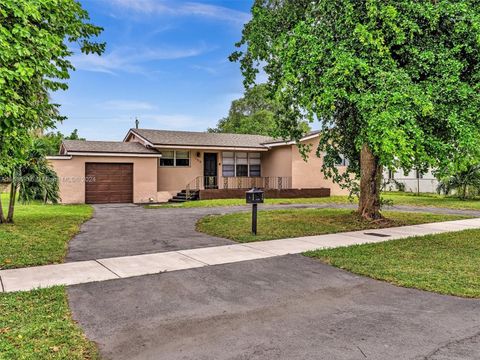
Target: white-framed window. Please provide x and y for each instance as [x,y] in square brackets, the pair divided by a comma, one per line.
[182,158]
[254,165]
[241,164]
[175,158]
[228,164]
[168,158]
[343,161]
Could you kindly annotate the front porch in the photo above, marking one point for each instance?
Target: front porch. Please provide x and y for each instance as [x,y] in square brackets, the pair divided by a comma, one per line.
[214,187]
[239,182]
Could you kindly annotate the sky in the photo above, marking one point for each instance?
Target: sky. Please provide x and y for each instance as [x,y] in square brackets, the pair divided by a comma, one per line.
[166,63]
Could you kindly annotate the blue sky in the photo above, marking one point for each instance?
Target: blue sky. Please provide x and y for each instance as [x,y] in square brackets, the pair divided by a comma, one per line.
[166,63]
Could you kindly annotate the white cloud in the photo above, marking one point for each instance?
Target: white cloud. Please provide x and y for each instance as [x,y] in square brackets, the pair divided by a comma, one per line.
[209,69]
[183,9]
[217,12]
[128,105]
[127,59]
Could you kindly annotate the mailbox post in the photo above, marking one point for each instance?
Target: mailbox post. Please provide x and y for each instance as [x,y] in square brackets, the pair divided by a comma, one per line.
[254,197]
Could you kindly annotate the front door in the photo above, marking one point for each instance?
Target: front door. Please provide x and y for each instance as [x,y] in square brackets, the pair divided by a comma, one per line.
[210,170]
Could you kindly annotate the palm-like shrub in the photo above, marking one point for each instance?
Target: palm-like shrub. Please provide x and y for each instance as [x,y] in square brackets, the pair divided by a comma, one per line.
[36,180]
[463,184]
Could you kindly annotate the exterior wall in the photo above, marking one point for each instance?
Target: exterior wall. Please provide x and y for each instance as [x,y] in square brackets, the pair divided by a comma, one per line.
[71,173]
[4,188]
[277,162]
[174,179]
[308,174]
[426,184]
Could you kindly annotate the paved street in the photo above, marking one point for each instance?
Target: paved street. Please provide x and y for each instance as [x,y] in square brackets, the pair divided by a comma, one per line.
[287,307]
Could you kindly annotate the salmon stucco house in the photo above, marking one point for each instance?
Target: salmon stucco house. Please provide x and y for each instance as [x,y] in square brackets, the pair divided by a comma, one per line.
[159,165]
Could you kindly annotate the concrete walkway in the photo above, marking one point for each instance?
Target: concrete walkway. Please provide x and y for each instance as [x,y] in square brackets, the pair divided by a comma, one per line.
[129,266]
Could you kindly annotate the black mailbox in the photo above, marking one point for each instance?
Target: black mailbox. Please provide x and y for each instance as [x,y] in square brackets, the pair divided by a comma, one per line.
[254,196]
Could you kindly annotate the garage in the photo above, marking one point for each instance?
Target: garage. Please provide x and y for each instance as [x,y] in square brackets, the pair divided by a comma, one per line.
[108,183]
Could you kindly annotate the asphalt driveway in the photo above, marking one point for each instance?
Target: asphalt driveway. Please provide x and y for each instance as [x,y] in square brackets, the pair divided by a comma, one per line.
[127,229]
[288,307]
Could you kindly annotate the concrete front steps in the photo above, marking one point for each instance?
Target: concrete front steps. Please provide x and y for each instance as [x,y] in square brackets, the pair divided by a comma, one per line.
[182,196]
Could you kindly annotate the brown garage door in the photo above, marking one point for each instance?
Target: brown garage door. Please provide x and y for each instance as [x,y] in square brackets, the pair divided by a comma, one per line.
[108,183]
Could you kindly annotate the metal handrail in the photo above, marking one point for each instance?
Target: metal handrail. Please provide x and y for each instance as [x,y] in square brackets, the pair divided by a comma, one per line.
[238,182]
[265,182]
[196,183]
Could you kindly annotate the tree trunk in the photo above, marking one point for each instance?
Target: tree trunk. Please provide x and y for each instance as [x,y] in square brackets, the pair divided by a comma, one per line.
[11,205]
[2,216]
[370,184]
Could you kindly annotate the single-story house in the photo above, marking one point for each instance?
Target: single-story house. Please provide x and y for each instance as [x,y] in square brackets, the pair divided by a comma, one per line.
[158,165]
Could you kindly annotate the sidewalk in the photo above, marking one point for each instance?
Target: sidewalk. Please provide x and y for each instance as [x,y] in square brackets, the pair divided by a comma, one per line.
[129,266]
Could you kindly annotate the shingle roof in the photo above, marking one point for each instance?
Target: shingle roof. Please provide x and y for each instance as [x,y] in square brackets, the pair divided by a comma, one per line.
[118,147]
[190,138]
[280,141]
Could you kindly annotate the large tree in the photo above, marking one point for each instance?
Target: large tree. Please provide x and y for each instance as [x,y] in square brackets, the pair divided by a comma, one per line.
[251,114]
[394,83]
[51,141]
[36,38]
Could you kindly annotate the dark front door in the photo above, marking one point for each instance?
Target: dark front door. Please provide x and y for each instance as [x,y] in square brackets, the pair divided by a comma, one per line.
[210,170]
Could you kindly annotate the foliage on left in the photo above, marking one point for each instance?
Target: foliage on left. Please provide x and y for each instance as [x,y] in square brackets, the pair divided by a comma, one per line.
[36,38]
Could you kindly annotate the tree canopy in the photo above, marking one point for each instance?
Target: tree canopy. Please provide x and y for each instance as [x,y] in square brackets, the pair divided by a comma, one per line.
[51,141]
[251,114]
[393,83]
[36,38]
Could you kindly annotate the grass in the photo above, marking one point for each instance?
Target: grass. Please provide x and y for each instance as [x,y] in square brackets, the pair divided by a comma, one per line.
[287,223]
[431,200]
[447,263]
[40,233]
[397,198]
[240,202]
[38,325]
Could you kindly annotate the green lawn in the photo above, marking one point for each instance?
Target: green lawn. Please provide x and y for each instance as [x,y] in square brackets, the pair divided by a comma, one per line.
[37,325]
[431,200]
[446,263]
[40,234]
[240,202]
[397,198]
[287,223]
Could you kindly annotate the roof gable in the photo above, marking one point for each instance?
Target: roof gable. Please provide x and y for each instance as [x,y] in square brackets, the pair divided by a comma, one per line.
[113,147]
[200,139]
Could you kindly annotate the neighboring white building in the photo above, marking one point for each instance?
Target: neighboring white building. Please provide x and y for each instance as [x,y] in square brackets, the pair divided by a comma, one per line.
[413,181]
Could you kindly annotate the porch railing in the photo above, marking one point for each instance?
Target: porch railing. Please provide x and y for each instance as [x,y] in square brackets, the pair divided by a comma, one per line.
[216,182]
[265,182]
